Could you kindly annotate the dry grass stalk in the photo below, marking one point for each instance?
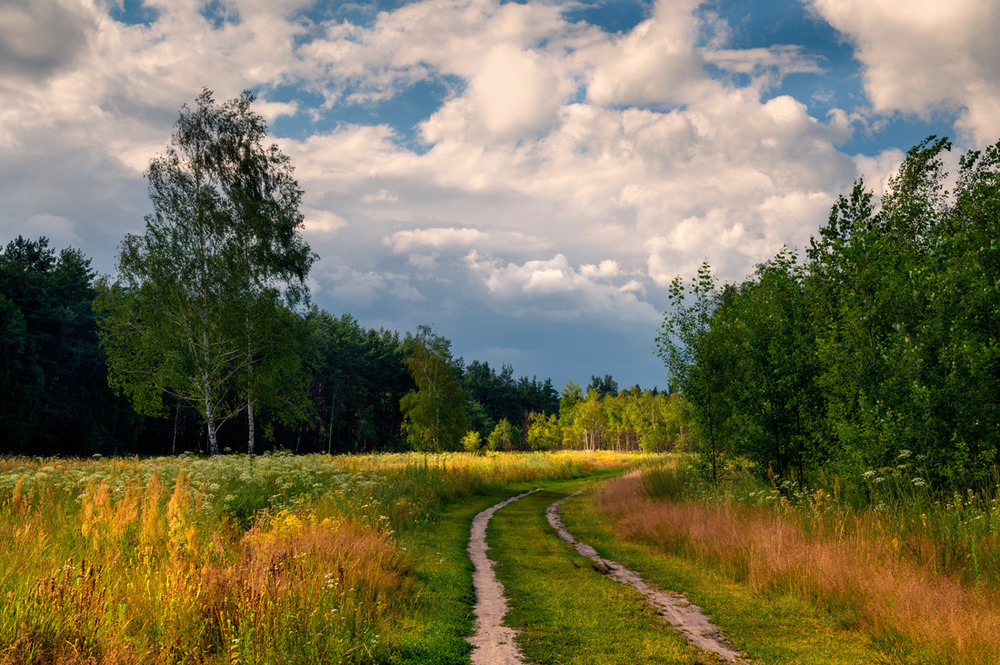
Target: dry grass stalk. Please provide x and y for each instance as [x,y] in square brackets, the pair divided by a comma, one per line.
[936,618]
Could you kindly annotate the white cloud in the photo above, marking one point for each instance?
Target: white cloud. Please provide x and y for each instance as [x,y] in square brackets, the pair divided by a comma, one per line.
[463,239]
[655,63]
[322,222]
[553,289]
[515,94]
[382,195]
[607,268]
[929,57]
[447,238]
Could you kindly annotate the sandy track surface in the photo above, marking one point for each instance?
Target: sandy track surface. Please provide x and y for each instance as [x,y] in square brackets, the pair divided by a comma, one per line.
[494,643]
[683,616]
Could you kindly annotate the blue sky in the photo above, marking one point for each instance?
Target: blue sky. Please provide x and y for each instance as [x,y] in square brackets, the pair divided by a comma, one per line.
[526,177]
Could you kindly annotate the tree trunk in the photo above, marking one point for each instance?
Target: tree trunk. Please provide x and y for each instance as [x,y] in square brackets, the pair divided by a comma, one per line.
[177,417]
[250,427]
[213,442]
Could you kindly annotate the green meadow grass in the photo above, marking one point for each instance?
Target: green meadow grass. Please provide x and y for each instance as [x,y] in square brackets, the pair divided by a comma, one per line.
[565,610]
[276,559]
[774,628]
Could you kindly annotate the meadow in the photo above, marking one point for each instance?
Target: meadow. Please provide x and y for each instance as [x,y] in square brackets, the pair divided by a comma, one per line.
[916,571]
[273,559]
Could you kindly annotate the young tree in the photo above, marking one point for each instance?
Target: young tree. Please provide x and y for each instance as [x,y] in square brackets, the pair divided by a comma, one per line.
[436,416]
[697,361]
[198,307]
[504,436]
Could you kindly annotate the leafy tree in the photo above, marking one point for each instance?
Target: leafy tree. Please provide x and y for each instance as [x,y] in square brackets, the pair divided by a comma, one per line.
[54,396]
[544,432]
[697,361]
[504,436]
[472,442]
[197,310]
[435,413]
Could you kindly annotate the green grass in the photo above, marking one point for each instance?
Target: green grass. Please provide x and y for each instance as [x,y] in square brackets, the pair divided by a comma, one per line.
[777,630]
[440,614]
[567,612]
[278,559]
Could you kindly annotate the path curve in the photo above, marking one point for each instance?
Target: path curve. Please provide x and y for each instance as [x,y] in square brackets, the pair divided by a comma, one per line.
[494,644]
[674,607]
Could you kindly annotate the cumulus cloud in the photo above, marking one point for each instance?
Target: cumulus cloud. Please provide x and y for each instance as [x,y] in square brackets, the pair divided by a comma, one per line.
[931,57]
[322,221]
[562,172]
[515,94]
[463,239]
[655,63]
[554,289]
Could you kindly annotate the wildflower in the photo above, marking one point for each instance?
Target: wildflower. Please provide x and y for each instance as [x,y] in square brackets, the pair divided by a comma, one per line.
[918,482]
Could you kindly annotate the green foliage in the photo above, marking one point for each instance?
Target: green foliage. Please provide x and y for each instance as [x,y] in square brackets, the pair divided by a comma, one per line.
[358,377]
[544,432]
[197,311]
[504,437]
[52,373]
[886,338]
[472,442]
[436,417]
[700,358]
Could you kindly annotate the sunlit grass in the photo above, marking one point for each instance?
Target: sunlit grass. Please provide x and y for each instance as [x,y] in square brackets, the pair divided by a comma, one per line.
[918,572]
[276,559]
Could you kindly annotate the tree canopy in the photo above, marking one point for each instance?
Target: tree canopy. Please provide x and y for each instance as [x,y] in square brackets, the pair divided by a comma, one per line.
[882,344]
[197,310]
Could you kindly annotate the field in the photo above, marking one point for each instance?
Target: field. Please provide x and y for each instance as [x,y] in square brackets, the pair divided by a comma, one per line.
[322,559]
[276,559]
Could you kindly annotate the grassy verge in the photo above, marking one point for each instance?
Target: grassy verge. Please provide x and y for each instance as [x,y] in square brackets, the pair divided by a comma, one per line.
[568,612]
[865,565]
[774,629]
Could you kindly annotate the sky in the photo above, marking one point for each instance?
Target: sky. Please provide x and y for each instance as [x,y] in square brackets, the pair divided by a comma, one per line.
[525,177]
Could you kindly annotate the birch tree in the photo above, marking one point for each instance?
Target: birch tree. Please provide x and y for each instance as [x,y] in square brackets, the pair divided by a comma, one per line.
[199,308]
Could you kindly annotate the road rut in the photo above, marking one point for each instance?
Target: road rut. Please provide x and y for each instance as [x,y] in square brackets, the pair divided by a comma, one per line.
[682,615]
[494,643]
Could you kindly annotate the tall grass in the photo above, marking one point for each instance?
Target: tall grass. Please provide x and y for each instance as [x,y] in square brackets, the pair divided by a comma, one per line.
[918,572]
[277,559]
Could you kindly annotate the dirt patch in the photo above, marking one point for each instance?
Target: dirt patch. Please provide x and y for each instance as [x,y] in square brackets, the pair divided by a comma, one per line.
[683,616]
[494,644]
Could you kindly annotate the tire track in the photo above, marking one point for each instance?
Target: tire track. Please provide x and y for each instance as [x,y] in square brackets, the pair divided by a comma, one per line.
[680,613]
[494,643]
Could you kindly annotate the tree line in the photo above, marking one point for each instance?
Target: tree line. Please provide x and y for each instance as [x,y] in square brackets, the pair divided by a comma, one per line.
[359,388]
[204,338]
[881,343]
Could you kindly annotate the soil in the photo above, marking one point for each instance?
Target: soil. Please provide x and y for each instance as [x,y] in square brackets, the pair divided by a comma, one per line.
[494,644]
[682,615]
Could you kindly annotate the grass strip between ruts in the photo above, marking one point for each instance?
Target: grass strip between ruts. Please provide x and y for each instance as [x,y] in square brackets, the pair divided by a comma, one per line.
[567,612]
[441,618]
[776,630]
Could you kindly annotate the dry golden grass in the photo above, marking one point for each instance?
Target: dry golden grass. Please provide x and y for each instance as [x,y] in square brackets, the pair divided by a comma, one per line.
[930,617]
[278,559]
[148,581]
